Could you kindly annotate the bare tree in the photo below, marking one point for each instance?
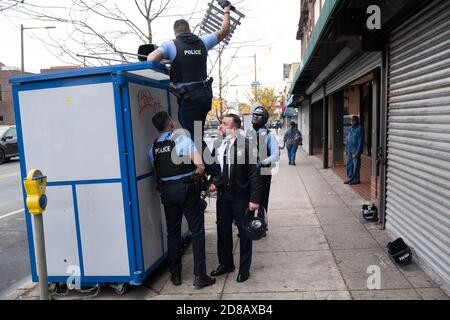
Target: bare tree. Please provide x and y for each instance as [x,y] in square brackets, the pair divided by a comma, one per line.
[95,27]
[9,4]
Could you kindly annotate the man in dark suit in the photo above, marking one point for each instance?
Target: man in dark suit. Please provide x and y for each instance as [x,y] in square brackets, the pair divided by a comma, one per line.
[240,189]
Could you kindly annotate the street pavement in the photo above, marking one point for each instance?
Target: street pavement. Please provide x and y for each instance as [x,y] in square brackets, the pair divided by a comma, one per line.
[14,261]
[318,247]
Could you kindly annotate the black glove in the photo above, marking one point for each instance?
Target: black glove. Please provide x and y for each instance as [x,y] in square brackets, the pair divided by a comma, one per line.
[225,3]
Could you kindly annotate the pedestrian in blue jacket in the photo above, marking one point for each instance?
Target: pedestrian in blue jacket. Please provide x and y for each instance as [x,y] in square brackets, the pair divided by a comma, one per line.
[292,139]
[353,150]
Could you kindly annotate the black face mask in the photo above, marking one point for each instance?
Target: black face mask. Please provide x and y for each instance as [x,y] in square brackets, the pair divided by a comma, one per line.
[258,126]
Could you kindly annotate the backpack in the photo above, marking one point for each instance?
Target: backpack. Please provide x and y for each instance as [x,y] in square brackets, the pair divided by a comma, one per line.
[298,138]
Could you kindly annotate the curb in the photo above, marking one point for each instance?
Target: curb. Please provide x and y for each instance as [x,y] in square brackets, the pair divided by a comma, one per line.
[22,291]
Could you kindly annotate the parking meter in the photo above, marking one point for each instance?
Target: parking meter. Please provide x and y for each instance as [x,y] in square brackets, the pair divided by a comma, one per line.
[35,185]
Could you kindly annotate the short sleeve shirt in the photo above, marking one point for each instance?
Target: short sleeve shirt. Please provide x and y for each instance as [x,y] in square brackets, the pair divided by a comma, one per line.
[169,49]
[184,146]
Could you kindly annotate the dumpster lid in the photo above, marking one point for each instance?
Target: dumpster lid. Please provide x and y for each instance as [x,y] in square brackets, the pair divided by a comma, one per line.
[148,69]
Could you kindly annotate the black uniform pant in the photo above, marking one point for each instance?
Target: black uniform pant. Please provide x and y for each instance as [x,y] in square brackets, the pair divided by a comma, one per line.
[266,179]
[231,208]
[180,199]
[194,106]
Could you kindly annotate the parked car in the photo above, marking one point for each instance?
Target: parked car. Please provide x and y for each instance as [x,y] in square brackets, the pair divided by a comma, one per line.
[276,124]
[213,124]
[8,143]
[212,133]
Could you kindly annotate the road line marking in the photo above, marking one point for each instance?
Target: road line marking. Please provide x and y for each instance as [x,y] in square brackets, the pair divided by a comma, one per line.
[9,175]
[11,213]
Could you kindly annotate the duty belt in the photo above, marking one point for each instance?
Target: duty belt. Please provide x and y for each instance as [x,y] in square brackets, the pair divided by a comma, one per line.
[194,86]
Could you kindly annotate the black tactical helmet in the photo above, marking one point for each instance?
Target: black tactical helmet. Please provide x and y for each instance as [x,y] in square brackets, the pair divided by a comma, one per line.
[399,251]
[261,111]
[254,223]
[369,212]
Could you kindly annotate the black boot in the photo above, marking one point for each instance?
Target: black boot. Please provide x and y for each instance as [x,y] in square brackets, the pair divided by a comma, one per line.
[204,281]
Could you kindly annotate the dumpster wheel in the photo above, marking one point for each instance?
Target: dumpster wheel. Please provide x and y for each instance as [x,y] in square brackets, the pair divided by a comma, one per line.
[120,288]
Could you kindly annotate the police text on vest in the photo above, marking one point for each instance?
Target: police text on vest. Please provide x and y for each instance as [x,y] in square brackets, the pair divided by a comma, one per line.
[192,52]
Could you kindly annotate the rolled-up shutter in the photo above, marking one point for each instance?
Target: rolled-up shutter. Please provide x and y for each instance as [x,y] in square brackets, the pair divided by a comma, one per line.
[317,95]
[418,158]
[359,67]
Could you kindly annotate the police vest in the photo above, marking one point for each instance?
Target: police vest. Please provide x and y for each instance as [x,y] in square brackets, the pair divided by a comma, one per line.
[190,63]
[261,139]
[164,165]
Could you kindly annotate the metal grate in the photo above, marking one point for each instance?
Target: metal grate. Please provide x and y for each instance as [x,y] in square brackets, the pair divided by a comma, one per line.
[212,21]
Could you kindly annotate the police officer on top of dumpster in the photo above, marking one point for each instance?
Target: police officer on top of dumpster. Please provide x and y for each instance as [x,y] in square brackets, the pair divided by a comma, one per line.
[268,149]
[177,164]
[188,56]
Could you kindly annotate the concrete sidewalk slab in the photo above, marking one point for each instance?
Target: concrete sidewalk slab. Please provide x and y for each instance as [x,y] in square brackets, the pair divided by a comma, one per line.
[348,236]
[289,271]
[432,294]
[417,277]
[389,280]
[291,239]
[337,215]
[331,201]
[292,218]
[357,260]
[187,278]
[404,294]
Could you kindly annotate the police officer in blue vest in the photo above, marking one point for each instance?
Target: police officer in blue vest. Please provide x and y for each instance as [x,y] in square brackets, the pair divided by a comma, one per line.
[188,56]
[268,149]
[177,166]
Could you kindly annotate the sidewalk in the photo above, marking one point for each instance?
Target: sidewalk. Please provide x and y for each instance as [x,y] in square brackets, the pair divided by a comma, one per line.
[317,247]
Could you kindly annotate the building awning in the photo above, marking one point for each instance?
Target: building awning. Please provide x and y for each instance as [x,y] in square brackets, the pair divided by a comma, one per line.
[340,35]
[325,14]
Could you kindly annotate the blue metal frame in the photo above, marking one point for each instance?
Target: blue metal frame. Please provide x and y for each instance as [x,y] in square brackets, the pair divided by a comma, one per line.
[132,184]
[23,174]
[83,72]
[132,78]
[55,83]
[133,179]
[78,230]
[123,153]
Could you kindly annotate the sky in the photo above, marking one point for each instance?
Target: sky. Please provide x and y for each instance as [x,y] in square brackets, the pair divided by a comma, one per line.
[268,30]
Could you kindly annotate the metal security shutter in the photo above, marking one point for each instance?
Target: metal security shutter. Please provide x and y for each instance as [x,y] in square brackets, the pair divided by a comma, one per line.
[418,167]
[354,70]
[317,95]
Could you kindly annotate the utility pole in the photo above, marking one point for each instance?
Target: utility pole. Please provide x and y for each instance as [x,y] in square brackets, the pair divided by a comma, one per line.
[255,83]
[220,84]
[22,54]
[21,50]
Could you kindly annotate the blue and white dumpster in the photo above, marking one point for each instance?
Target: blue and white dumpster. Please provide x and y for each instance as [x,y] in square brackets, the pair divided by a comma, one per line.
[90,130]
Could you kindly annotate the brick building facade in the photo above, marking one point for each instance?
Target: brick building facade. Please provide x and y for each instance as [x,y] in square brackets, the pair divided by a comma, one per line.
[6,103]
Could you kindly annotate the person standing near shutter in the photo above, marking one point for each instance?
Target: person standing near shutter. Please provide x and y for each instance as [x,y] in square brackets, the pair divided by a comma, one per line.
[353,150]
